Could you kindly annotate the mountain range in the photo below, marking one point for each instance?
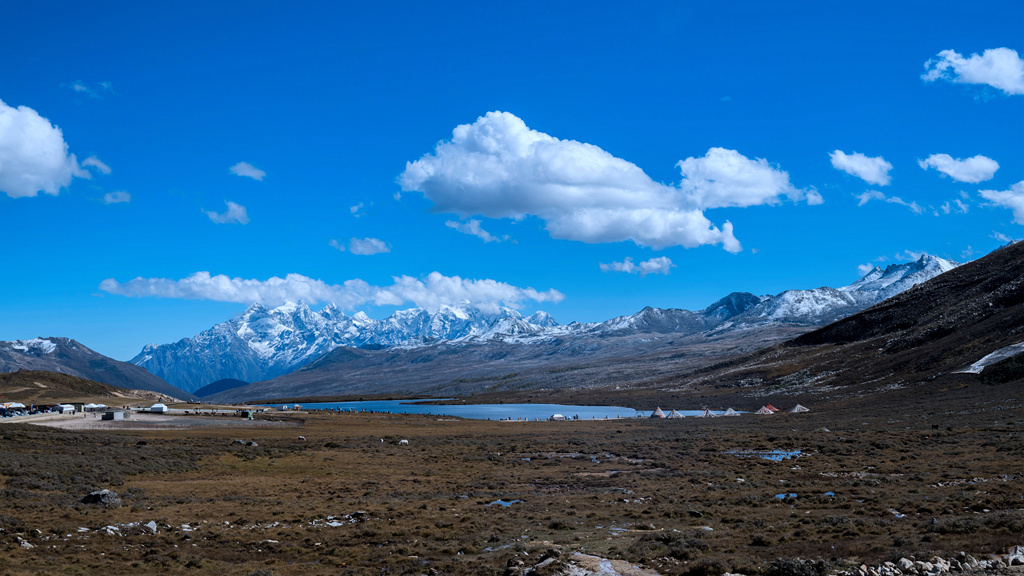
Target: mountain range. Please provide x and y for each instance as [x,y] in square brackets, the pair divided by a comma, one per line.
[67,356]
[936,336]
[264,343]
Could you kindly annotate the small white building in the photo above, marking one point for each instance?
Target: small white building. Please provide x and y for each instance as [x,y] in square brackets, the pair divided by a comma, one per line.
[159,408]
[557,418]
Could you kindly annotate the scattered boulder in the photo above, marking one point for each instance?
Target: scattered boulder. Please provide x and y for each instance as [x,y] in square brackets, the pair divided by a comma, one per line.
[151,525]
[108,498]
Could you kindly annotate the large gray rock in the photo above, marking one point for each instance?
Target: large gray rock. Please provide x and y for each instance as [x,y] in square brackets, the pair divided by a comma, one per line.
[108,498]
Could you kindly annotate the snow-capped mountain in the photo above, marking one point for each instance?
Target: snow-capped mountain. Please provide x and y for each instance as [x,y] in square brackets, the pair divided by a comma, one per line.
[824,305]
[264,343]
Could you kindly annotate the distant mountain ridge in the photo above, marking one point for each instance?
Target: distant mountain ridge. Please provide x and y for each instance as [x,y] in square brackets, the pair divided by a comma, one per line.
[264,343]
[67,356]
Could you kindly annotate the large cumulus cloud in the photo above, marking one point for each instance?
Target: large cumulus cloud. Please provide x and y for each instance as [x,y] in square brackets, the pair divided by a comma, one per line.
[33,155]
[499,168]
[1000,68]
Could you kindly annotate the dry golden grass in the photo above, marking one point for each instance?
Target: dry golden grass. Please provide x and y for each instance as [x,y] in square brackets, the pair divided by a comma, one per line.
[344,502]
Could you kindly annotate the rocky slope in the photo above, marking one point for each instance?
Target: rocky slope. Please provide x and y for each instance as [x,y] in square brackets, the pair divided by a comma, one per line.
[265,343]
[67,356]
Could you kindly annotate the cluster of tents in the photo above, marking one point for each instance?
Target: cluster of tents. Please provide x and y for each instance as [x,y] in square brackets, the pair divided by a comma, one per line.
[769,409]
[706,413]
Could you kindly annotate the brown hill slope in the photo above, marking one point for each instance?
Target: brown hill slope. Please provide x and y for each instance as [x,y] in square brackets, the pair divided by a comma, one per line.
[926,334]
[68,356]
[41,387]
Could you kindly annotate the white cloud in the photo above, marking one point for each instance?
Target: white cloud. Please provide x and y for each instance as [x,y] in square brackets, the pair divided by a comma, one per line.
[973,170]
[724,177]
[1012,199]
[660,265]
[499,168]
[863,269]
[33,155]
[436,290]
[336,245]
[235,214]
[248,170]
[873,170]
[876,195]
[354,210]
[94,162]
[117,197]
[472,227]
[80,87]
[1000,68]
[367,246]
[955,206]
[1001,237]
[910,255]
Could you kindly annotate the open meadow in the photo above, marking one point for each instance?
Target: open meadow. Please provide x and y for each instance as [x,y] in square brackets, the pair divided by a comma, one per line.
[852,484]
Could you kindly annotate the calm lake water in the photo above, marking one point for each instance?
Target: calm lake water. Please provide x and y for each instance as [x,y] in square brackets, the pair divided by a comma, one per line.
[490,411]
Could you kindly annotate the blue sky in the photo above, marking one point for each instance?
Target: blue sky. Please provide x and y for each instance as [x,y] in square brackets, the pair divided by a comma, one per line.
[743,146]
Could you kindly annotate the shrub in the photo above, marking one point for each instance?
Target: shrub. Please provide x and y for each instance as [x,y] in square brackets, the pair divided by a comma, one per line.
[797,567]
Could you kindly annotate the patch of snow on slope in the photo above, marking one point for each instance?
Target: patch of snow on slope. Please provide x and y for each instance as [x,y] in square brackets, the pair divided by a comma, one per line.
[997,356]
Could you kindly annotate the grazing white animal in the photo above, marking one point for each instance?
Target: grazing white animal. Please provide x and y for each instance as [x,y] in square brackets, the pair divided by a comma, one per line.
[403,442]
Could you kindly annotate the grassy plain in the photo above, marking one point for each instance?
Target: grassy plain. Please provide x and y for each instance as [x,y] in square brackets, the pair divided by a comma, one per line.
[671,495]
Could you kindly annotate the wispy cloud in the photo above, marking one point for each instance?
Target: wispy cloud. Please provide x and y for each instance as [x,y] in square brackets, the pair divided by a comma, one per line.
[863,269]
[354,210]
[432,292]
[500,168]
[118,197]
[100,90]
[472,227]
[873,170]
[956,205]
[34,157]
[876,195]
[248,170]
[361,246]
[972,170]
[94,162]
[660,265]
[1000,68]
[235,214]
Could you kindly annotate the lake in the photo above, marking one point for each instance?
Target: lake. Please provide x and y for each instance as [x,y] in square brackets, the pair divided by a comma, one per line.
[489,411]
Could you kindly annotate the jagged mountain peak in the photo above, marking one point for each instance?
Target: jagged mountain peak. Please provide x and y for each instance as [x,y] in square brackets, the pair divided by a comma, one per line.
[542,319]
[733,304]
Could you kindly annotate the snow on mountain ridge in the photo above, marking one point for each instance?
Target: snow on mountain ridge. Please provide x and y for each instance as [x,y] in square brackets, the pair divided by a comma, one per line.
[263,343]
[37,345]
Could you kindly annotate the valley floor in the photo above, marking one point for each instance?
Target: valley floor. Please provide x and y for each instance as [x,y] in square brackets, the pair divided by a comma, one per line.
[866,483]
